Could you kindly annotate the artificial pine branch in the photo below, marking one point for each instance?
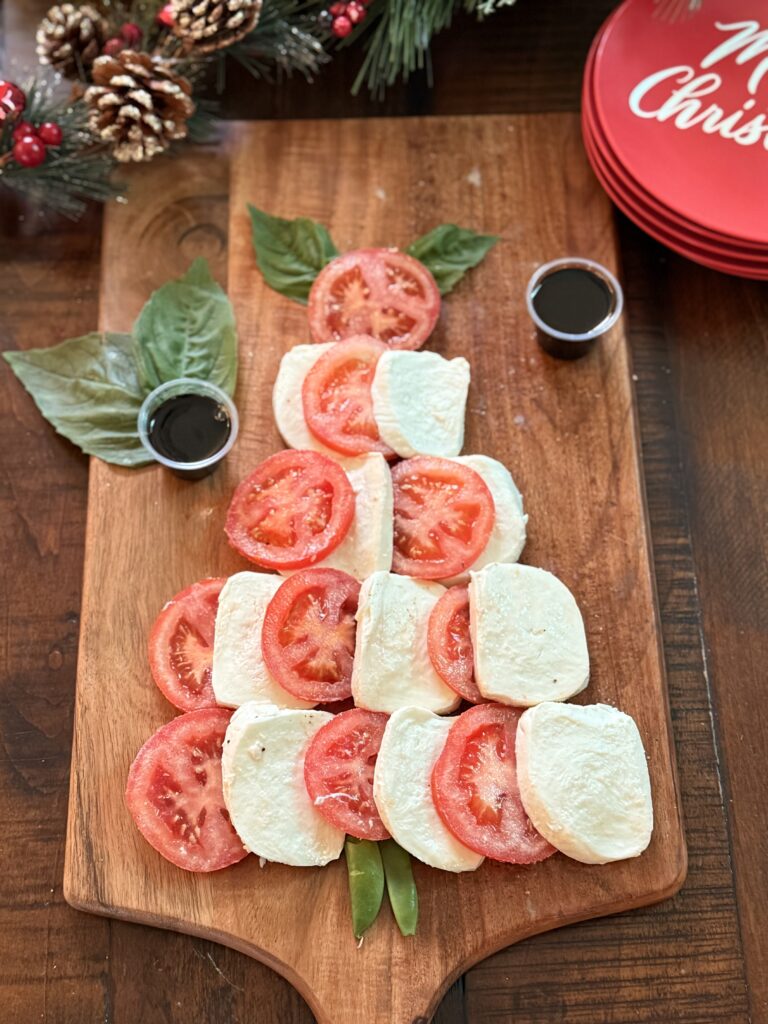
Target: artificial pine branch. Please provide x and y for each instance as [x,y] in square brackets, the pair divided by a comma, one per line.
[73,173]
[286,39]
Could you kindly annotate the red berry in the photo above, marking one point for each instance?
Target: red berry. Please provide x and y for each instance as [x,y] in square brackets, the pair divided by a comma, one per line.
[336,10]
[131,33]
[165,17]
[12,101]
[29,151]
[342,26]
[355,12]
[113,46]
[50,133]
[23,128]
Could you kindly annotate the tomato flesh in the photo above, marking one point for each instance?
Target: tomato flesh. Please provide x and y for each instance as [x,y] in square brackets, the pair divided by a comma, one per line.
[174,793]
[450,643]
[380,292]
[337,401]
[338,772]
[444,514]
[293,510]
[181,646]
[308,636]
[475,790]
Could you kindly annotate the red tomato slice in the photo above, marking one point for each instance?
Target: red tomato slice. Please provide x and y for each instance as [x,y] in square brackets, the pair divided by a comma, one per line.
[450,644]
[308,636]
[444,515]
[381,292]
[338,771]
[174,793]
[474,787]
[181,646]
[337,399]
[294,509]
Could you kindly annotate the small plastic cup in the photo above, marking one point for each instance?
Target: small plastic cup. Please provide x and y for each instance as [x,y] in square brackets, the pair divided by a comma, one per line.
[173,389]
[561,344]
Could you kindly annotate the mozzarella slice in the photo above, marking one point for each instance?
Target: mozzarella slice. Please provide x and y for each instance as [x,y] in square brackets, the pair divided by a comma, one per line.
[418,402]
[402,789]
[507,538]
[584,780]
[287,402]
[392,669]
[238,673]
[528,636]
[262,769]
[367,547]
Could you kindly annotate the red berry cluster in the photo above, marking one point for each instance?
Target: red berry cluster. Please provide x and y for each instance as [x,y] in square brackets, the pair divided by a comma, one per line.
[343,17]
[128,39]
[29,141]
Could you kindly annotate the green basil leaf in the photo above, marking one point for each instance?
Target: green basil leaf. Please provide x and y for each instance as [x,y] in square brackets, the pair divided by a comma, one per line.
[449,252]
[187,329]
[290,253]
[89,389]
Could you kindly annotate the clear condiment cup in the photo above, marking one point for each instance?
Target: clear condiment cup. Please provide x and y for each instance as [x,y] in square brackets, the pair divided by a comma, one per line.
[563,344]
[192,470]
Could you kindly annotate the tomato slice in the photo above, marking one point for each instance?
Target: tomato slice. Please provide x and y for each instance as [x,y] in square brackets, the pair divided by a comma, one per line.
[308,636]
[293,510]
[338,772]
[174,793]
[381,292]
[475,791]
[450,644]
[181,646]
[444,514]
[337,399]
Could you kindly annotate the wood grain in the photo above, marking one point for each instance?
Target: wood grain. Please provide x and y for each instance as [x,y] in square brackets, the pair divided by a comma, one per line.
[568,431]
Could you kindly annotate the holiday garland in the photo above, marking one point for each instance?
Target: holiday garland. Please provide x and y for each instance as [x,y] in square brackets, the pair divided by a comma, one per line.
[136,68]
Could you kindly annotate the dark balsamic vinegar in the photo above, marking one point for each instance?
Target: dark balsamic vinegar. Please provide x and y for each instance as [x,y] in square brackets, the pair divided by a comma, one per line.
[573,300]
[189,428]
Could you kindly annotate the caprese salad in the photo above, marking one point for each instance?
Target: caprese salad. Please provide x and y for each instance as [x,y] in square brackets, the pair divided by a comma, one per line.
[319,692]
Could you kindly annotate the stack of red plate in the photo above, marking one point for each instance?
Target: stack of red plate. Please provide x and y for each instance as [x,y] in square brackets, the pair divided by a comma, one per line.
[675,121]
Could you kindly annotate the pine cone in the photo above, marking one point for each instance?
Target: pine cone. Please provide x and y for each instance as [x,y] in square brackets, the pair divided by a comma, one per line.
[207,25]
[138,105]
[69,38]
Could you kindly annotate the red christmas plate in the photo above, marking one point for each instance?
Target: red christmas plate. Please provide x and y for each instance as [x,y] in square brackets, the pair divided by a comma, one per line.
[647,203]
[717,259]
[682,105]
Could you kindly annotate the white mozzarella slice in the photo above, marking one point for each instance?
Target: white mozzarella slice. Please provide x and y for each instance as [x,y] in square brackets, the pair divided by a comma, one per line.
[238,673]
[507,538]
[287,403]
[412,742]
[418,402]
[262,770]
[527,634]
[392,668]
[367,547]
[584,780]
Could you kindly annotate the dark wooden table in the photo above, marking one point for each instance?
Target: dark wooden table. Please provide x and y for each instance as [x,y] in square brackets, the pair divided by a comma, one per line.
[699,343]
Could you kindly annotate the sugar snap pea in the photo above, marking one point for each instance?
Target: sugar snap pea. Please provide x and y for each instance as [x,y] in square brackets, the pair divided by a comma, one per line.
[401,887]
[365,874]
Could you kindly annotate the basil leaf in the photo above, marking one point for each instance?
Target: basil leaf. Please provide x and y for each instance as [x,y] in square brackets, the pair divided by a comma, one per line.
[449,252]
[187,329]
[290,253]
[89,389]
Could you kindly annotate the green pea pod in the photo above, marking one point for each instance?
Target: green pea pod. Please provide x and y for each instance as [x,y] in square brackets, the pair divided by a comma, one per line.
[366,882]
[401,887]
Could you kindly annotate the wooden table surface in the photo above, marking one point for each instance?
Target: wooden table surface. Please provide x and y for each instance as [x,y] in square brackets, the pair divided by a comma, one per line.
[699,343]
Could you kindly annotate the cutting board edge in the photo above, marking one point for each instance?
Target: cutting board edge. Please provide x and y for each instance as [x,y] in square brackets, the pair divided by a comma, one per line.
[78,899]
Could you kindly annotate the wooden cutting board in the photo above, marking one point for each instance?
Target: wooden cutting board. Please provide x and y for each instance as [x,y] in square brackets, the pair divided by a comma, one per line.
[567,431]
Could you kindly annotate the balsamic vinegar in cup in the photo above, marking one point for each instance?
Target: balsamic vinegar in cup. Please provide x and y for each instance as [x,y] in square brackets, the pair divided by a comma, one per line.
[189,428]
[574,301]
